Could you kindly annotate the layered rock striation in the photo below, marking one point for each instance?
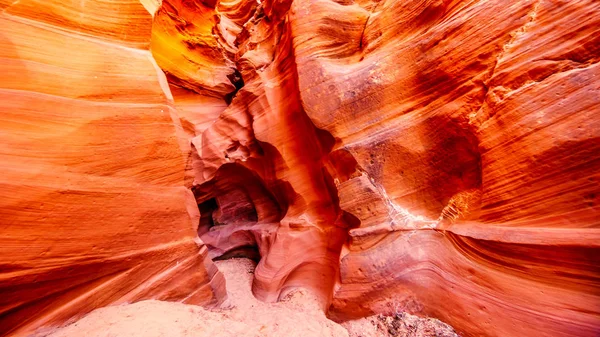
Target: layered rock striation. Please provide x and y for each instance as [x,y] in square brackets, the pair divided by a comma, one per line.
[94,209]
[436,157]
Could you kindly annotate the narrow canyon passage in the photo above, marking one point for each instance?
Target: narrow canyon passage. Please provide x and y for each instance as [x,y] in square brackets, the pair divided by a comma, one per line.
[431,157]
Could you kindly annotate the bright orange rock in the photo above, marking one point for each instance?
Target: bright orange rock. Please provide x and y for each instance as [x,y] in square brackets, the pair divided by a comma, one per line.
[185,48]
[459,137]
[94,210]
[438,157]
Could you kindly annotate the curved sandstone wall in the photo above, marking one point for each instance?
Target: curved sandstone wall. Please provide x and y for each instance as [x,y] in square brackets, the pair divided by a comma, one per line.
[440,157]
[94,208]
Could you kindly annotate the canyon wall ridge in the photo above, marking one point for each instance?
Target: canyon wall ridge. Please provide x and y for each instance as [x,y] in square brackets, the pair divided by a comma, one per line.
[440,157]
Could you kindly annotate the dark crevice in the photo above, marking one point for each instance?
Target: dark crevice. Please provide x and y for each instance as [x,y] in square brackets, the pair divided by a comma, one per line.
[238,82]
[206,219]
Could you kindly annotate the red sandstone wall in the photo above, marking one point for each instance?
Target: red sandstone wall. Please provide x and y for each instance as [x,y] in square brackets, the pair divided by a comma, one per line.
[461,138]
[93,208]
[440,157]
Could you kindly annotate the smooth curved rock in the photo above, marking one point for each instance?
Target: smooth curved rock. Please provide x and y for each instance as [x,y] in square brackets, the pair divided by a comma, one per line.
[94,208]
[451,146]
[432,156]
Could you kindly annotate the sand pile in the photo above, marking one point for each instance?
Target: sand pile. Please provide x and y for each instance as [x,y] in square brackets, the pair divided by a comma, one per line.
[242,316]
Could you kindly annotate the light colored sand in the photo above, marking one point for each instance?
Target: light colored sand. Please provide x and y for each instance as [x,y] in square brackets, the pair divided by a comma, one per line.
[245,316]
[299,315]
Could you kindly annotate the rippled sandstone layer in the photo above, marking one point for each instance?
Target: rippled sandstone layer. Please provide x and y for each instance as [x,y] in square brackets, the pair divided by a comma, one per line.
[439,157]
[95,208]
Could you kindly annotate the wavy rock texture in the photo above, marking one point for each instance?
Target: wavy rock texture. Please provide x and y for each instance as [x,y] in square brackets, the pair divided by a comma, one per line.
[94,208]
[440,157]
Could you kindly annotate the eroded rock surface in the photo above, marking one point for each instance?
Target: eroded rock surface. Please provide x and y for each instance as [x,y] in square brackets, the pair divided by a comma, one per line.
[94,207]
[440,156]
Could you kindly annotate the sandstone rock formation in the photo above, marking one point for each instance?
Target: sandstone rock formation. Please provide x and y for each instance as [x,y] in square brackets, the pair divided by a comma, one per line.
[437,156]
[94,208]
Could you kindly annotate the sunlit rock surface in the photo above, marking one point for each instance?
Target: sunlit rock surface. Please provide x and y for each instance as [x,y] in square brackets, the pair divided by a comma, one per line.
[448,151]
[438,157]
[93,207]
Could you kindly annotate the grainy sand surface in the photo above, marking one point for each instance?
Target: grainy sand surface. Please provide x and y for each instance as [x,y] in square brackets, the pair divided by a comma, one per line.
[242,315]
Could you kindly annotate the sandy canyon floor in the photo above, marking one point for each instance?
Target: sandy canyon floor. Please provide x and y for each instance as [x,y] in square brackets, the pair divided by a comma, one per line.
[243,315]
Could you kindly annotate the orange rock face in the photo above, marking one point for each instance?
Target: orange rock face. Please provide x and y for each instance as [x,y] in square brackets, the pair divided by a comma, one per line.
[94,207]
[438,157]
[447,151]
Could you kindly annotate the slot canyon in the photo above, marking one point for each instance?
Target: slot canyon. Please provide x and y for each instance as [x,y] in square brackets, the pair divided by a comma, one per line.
[439,158]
